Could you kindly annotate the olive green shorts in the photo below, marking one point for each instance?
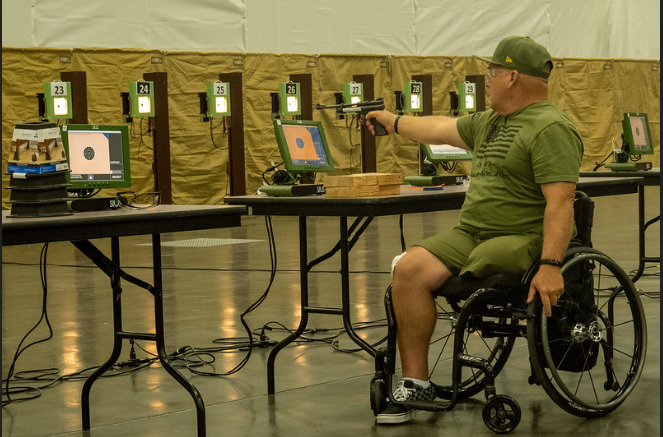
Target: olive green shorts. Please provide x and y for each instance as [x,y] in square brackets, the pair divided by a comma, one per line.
[482,254]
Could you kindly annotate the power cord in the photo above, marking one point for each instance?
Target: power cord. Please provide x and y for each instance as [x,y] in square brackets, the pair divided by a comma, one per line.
[278,176]
[44,378]
[449,167]
[20,348]
[353,120]
[184,357]
[190,357]
[222,124]
[333,339]
[598,165]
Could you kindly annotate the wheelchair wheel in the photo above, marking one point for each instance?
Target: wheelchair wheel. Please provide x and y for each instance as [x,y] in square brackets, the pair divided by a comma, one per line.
[477,342]
[589,354]
[501,414]
[378,397]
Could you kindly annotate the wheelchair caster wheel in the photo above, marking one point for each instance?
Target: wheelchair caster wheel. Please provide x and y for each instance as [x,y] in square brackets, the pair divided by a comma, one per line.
[501,414]
[378,398]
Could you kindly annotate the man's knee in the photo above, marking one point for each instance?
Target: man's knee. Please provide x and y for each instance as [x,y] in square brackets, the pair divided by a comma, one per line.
[419,268]
[408,262]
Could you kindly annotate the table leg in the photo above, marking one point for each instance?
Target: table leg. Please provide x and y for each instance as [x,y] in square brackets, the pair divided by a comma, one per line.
[160,337]
[304,267]
[303,279]
[112,269]
[642,228]
[345,289]
[117,339]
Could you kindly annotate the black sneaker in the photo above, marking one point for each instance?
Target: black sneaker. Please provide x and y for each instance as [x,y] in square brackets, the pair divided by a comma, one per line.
[405,390]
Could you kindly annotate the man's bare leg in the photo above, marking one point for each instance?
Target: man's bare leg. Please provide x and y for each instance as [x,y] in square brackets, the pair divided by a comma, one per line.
[416,275]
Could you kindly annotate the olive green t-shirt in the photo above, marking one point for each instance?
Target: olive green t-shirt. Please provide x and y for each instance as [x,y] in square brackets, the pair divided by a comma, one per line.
[513,155]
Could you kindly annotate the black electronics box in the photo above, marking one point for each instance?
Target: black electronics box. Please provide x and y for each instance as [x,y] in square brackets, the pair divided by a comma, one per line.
[93,204]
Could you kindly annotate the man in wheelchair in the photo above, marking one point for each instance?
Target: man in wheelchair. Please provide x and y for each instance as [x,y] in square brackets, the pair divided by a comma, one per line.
[519,205]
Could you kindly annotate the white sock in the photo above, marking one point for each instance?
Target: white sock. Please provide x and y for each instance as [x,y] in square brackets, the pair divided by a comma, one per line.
[422,383]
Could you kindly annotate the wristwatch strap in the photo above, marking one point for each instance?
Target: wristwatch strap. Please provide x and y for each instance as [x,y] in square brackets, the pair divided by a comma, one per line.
[550,262]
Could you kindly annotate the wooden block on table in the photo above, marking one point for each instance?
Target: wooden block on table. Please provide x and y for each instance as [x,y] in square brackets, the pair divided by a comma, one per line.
[363,179]
[363,185]
[390,190]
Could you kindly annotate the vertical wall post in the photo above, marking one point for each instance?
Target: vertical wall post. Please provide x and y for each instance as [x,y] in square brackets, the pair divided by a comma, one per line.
[306,94]
[236,162]
[161,137]
[368,158]
[427,101]
[78,82]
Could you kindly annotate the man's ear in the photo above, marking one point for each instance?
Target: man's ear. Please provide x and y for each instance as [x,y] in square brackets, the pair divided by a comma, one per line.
[513,78]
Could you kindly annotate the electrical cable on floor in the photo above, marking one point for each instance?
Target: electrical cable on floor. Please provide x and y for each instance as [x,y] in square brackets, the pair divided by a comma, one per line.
[188,356]
[44,317]
[656,274]
[191,357]
[44,378]
[184,357]
[332,339]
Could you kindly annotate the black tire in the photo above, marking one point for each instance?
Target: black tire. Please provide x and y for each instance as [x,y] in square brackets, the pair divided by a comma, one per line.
[501,414]
[589,354]
[378,397]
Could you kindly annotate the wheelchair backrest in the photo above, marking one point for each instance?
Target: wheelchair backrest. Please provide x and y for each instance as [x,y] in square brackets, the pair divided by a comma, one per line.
[583,214]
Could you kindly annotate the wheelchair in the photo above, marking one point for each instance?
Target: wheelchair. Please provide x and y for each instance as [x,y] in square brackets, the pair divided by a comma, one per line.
[588,356]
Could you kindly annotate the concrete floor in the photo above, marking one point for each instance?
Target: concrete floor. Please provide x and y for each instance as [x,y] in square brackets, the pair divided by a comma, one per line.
[211,277]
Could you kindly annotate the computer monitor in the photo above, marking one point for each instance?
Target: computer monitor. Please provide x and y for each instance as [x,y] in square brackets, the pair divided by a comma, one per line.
[445,152]
[303,146]
[637,134]
[98,156]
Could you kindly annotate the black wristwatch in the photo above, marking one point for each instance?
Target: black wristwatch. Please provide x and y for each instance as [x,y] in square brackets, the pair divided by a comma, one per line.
[550,262]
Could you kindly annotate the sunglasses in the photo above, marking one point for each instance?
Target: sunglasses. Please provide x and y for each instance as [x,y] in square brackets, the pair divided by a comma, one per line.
[129,199]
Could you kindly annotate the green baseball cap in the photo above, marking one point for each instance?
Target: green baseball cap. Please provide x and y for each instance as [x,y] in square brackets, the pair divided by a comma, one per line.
[521,53]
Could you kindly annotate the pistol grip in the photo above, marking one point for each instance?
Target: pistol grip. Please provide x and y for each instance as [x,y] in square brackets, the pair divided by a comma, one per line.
[380,130]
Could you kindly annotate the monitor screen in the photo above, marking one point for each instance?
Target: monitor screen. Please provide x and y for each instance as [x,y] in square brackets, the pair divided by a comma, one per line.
[98,156]
[303,146]
[445,152]
[637,134]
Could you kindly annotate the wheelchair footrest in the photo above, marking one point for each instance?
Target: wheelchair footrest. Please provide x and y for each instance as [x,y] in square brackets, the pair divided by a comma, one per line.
[428,405]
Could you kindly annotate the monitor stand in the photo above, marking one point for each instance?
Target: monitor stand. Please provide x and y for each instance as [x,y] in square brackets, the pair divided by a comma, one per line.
[428,181]
[629,166]
[292,190]
[92,204]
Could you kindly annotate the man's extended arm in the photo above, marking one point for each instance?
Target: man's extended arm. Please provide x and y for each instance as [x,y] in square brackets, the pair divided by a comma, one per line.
[428,130]
[557,231]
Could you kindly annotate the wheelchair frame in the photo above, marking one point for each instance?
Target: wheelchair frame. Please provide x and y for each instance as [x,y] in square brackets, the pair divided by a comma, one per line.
[564,350]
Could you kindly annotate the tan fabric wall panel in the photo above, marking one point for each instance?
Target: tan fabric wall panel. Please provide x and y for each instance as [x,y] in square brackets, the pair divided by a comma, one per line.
[585,90]
[595,92]
[344,136]
[638,89]
[198,150]
[262,75]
